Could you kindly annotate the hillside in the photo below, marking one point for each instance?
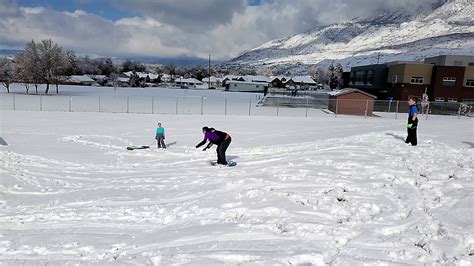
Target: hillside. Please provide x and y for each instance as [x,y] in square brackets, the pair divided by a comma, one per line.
[444,29]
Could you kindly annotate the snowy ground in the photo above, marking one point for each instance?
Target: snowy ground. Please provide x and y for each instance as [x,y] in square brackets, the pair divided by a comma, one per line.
[318,190]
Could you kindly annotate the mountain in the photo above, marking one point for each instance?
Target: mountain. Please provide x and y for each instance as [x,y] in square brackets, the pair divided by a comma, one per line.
[9,53]
[178,61]
[441,28]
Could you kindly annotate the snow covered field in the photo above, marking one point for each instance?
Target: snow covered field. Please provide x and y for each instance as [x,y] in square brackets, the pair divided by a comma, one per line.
[319,190]
[157,100]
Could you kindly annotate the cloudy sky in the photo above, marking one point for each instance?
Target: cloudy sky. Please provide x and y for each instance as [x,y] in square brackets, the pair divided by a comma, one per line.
[174,28]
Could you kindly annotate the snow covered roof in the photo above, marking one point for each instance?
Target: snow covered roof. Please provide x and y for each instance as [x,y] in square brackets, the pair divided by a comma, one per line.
[153,76]
[77,78]
[350,90]
[252,78]
[232,77]
[280,78]
[123,79]
[246,82]
[96,77]
[142,75]
[188,80]
[213,79]
[303,79]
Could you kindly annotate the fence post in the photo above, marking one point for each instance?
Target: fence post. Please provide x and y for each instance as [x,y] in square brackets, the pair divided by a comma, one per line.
[427,110]
[225,108]
[307,102]
[14,103]
[41,102]
[128,103]
[70,104]
[337,106]
[396,110]
[152,104]
[177,98]
[366,108]
[99,104]
[250,105]
[459,111]
[278,106]
[202,105]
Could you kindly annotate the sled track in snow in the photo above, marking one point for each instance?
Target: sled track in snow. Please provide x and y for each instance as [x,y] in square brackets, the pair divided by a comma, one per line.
[334,200]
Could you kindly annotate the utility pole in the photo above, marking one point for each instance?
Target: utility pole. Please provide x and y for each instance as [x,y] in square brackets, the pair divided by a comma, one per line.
[209,84]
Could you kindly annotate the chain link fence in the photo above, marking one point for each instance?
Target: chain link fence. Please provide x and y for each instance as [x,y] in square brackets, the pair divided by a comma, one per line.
[272,105]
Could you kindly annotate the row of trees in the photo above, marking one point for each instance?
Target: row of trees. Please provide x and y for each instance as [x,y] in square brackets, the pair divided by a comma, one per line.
[45,62]
[331,76]
[42,62]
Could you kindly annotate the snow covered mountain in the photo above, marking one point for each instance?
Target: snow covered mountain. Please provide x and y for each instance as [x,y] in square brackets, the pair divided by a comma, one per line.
[443,28]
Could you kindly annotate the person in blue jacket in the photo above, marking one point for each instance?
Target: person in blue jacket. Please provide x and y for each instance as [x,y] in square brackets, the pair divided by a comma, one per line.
[220,138]
[412,122]
[160,136]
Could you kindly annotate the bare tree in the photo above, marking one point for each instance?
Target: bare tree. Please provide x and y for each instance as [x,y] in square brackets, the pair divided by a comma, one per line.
[320,75]
[29,62]
[6,73]
[22,70]
[129,65]
[336,76]
[52,61]
[170,69]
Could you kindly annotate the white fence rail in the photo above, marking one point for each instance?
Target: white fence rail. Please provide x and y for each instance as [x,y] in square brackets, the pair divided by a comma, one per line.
[204,105]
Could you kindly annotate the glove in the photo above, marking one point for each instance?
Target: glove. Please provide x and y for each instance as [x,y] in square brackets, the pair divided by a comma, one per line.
[409,125]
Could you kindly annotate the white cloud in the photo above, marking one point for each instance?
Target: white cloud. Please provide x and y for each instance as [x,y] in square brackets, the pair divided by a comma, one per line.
[168,28]
[8,9]
[197,16]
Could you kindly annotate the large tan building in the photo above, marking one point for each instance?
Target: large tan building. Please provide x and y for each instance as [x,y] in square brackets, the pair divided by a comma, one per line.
[451,60]
[445,78]
[407,79]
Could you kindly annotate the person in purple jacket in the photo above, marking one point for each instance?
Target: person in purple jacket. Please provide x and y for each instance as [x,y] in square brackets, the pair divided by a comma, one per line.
[220,138]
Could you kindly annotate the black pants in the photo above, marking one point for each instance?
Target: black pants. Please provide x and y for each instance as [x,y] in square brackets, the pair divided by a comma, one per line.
[161,142]
[411,138]
[221,148]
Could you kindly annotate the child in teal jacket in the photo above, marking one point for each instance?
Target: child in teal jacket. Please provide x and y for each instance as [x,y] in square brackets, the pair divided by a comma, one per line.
[160,136]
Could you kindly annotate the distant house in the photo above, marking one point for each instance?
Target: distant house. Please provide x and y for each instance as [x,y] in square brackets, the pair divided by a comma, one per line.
[279,82]
[188,82]
[245,86]
[261,79]
[215,82]
[98,77]
[232,77]
[147,77]
[120,82]
[80,80]
[302,81]
[351,102]
[166,78]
